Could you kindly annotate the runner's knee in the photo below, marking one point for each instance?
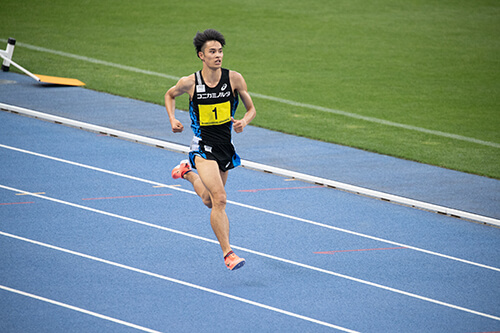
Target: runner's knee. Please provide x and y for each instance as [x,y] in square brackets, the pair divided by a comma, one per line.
[219,199]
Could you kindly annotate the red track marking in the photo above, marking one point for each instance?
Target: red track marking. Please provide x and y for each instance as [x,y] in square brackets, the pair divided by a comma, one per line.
[279,189]
[16,203]
[128,196]
[357,250]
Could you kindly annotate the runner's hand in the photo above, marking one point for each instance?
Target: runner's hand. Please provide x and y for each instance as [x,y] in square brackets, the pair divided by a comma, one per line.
[238,125]
[177,126]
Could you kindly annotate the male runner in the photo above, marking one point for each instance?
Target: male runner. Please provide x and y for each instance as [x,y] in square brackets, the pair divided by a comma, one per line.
[213,95]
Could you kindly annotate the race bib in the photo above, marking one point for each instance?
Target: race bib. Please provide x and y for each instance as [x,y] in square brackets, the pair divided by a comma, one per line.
[215,114]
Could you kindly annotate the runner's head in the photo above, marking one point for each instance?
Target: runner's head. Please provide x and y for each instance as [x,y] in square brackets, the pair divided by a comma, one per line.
[202,37]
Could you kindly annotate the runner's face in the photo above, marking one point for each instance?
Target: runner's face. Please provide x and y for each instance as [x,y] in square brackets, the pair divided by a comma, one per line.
[212,54]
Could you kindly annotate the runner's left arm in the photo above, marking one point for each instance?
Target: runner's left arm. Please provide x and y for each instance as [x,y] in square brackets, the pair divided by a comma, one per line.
[238,83]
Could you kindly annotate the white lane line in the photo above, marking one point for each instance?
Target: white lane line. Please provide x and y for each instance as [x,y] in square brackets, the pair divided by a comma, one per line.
[75,308]
[173,187]
[258,166]
[270,98]
[398,291]
[184,283]
[365,236]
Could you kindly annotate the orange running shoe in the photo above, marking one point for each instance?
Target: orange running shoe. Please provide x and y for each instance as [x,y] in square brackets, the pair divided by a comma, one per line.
[233,262]
[180,170]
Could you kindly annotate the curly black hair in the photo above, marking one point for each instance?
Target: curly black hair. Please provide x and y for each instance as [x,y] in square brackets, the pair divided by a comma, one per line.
[202,37]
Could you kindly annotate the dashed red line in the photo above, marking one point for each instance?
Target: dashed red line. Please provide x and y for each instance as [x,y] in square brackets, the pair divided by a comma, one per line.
[129,196]
[358,250]
[16,203]
[279,189]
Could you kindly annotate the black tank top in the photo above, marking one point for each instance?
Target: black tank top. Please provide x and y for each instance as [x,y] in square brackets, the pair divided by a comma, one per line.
[211,109]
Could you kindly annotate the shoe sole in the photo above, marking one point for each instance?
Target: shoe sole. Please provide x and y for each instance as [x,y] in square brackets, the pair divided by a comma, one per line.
[238,265]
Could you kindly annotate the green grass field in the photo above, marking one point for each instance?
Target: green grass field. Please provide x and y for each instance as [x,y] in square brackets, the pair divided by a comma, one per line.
[431,65]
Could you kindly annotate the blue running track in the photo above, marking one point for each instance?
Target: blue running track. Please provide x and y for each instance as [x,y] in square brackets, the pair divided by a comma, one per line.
[95,236]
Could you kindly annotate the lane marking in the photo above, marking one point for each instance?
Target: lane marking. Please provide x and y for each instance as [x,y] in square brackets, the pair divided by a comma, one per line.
[130,196]
[184,283]
[269,98]
[359,250]
[280,189]
[75,308]
[383,240]
[267,211]
[259,167]
[16,203]
[29,194]
[160,186]
[376,285]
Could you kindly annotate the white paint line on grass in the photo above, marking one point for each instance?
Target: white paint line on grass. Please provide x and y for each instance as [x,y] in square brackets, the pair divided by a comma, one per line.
[266,97]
